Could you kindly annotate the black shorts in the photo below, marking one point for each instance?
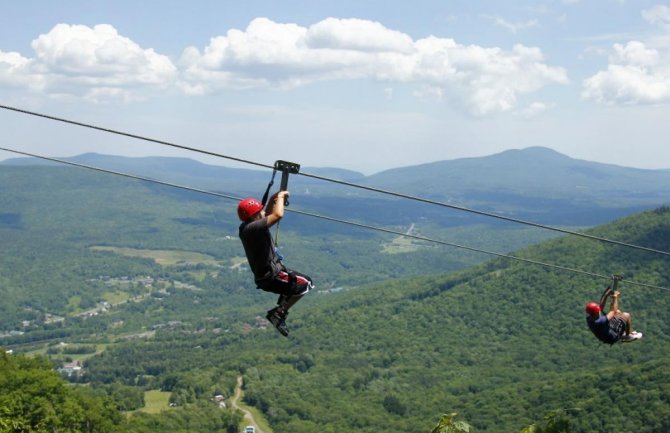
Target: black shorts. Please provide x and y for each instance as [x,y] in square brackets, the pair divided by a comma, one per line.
[287,283]
[617,326]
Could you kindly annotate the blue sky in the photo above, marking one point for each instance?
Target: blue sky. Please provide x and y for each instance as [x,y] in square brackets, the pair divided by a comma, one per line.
[363,85]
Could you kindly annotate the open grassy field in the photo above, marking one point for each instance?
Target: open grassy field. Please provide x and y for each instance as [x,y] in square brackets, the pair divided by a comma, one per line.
[155,401]
[116,297]
[399,245]
[162,257]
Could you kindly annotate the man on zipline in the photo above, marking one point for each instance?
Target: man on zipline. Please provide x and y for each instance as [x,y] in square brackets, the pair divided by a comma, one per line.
[270,274]
[612,327]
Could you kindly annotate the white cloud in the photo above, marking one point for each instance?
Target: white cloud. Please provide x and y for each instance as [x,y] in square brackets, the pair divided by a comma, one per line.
[357,35]
[97,64]
[92,63]
[634,54]
[15,72]
[533,110]
[287,55]
[486,80]
[659,14]
[636,74]
[627,85]
[270,54]
[513,27]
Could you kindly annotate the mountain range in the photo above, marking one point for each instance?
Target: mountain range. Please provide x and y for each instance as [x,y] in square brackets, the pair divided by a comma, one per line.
[535,183]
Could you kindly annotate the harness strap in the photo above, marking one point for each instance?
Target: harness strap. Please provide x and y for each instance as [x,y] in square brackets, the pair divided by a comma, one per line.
[286,168]
[609,291]
[267,191]
[264,201]
[603,298]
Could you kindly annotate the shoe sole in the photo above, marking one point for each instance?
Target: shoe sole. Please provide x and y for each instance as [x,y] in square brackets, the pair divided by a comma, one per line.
[276,322]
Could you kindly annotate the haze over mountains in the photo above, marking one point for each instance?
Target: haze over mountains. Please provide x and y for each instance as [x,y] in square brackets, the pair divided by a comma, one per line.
[534,183]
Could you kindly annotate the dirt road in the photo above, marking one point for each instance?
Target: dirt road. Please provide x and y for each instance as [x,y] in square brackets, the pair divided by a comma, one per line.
[248,417]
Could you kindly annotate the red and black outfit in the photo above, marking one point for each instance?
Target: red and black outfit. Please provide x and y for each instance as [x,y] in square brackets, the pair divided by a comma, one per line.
[270,274]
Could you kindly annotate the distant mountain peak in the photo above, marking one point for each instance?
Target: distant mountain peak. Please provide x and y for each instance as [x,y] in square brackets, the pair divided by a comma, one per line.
[535,153]
[535,150]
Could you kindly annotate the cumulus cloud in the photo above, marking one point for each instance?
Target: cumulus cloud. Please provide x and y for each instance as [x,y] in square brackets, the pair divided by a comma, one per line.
[98,64]
[486,80]
[92,63]
[637,73]
[357,35]
[15,72]
[270,54]
[287,55]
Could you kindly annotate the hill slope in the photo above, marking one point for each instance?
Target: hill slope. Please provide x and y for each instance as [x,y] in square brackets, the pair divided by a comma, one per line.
[501,344]
[534,171]
[74,238]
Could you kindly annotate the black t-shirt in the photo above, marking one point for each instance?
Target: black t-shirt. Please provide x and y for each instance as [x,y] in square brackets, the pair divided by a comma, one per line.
[260,249]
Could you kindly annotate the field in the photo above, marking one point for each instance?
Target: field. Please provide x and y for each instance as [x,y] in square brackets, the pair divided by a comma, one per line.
[163,257]
[155,401]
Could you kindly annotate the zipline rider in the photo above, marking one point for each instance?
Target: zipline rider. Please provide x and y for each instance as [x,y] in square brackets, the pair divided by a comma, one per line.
[270,274]
[614,326]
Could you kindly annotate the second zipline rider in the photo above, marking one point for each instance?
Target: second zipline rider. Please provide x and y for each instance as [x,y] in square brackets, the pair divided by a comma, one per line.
[270,274]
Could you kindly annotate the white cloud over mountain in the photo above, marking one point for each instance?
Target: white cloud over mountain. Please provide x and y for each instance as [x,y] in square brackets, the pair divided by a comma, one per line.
[15,72]
[485,80]
[637,72]
[93,63]
[99,64]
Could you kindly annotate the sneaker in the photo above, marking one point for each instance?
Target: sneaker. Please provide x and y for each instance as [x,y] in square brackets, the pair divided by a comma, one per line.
[277,317]
[633,336]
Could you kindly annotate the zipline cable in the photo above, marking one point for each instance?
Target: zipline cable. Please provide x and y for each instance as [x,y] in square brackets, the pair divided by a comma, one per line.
[341,221]
[345,183]
[488,214]
[118,173]
[135,136]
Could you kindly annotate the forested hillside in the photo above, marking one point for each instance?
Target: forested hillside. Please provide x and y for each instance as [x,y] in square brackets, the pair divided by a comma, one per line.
[74,238]
[33,398]
[501,344]
[145,286]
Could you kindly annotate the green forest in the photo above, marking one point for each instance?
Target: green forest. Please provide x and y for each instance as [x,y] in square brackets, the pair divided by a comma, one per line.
[389,341]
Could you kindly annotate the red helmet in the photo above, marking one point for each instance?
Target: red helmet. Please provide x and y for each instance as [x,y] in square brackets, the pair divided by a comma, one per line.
[592,308]
[248,207]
